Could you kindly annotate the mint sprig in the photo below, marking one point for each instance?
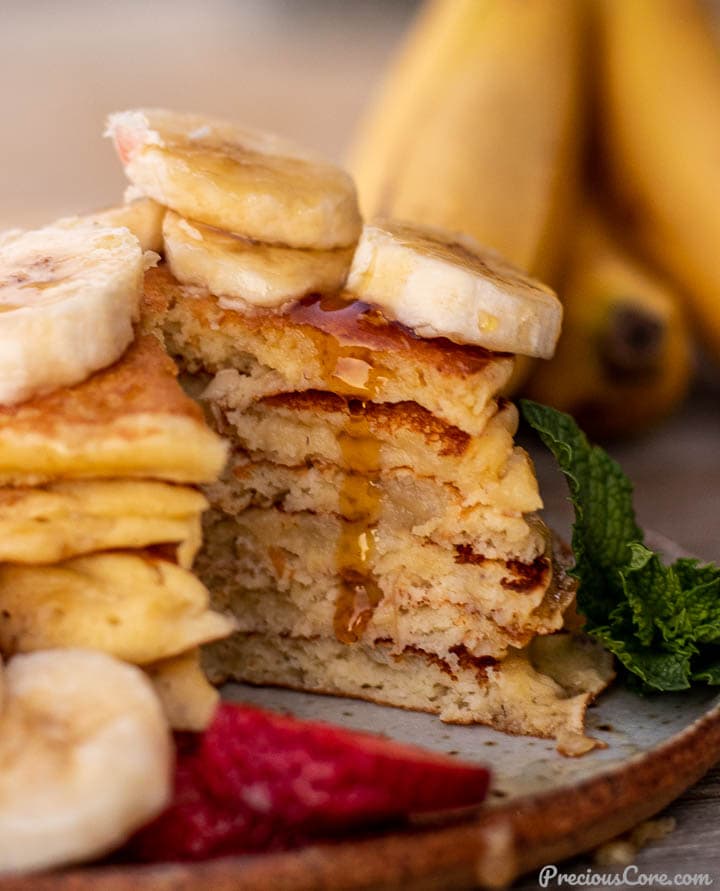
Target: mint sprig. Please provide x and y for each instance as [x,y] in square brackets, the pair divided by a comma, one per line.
[661,622]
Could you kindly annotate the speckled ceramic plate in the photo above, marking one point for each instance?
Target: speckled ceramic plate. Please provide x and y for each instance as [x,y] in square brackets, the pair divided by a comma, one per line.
[542,807]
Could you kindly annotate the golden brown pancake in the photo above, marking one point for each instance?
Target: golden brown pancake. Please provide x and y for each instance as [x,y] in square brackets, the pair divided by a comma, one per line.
[187,697]
[276,570]
[61,520]
[129,420]
[332,343]
[504,526]
[128,603]
[323,428]
[375,532]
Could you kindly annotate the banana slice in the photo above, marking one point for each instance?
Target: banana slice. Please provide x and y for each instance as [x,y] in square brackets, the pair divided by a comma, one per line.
[142,216]
[242,181]
[68,297]
[444,285]
[86,758]
[241,271]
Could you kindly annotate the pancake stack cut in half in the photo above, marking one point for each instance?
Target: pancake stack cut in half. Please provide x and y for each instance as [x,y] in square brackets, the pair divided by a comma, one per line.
[375,533]
[100,517]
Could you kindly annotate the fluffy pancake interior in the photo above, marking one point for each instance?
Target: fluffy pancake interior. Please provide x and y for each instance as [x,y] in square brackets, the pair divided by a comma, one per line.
[501,527]
[274,576]
[333,344]
[299,428]
[347,428]
[514,695]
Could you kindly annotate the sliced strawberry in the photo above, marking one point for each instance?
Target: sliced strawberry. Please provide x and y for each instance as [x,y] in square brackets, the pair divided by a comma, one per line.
[258,781]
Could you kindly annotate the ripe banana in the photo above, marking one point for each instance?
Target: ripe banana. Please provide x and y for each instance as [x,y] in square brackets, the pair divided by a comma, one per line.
[240,181]
[440,284]
[624,357]
[660,105]
[68,297]
[241,271]
[86,757]
[476,128]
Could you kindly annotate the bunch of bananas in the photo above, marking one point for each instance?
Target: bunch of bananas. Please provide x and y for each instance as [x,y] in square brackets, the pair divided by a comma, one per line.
[483,126]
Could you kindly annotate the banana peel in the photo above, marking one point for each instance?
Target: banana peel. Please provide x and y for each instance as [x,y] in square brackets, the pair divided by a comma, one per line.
[624,359]
[659,92]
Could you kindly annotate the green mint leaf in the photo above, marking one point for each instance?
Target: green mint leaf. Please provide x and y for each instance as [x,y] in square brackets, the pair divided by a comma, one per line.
[709,673]
[661,622]
[602,494]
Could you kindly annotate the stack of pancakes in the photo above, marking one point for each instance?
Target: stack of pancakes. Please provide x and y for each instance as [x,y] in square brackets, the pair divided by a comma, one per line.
[100,522]
[375,531]
[367,545]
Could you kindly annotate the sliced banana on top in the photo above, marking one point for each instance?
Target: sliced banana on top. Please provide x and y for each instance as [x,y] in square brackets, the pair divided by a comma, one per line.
[242,181]
[142,216]
[68,297]
[85,758]
[240,271]
[444,285]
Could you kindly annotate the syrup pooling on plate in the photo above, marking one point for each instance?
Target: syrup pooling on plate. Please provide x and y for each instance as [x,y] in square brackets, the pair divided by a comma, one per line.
[348,367]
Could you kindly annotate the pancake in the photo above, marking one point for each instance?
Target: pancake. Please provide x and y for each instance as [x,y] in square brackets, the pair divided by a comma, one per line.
[543,690]
[334,344]
[504,526]
[278,572]
[129,420]
[324,428]
[439,628]
[375,512]
[131,605]
[66,519]
[375,533]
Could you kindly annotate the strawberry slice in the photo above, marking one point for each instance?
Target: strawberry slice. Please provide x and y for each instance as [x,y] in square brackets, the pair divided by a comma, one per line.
[258,781]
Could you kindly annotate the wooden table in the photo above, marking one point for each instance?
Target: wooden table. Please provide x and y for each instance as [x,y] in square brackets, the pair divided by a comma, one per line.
[305,69]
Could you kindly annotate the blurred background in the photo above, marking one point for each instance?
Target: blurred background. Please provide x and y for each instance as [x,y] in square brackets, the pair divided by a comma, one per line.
[303,68]
[579,137]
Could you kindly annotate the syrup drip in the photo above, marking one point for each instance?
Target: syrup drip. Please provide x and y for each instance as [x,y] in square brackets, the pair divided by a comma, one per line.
[360,501]
[342,331]
[347,367]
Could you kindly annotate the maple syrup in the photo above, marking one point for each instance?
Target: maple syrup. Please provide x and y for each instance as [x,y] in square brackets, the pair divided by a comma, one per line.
[360,502]
[360,330]
[347,366]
